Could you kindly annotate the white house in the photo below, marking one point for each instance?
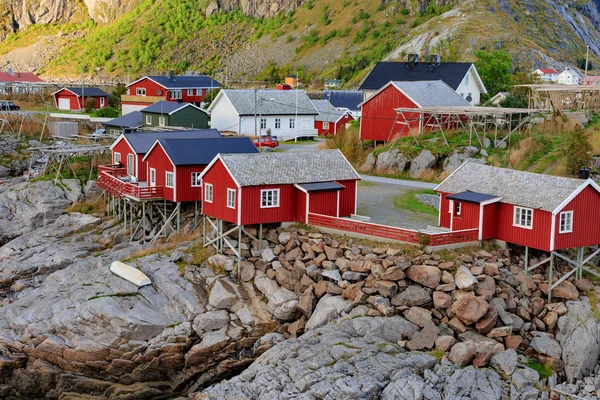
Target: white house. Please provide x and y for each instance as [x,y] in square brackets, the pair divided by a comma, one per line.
[569,77]
[284,113]
[547,75]
[462,77]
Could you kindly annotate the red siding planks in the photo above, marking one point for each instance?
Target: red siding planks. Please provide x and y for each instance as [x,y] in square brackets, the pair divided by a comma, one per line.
[444,211]
[123,148]
[468,218]
[301,206]
[538,237]
[347,198]
[252,213]
[154,89]
[185,190]
[75,101]
[158,160]
[220,179]
[324,203]
[490,216]
[586,217]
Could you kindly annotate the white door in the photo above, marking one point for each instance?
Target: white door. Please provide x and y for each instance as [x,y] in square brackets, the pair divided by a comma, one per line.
[130,164]
[101,102]
[64,104]
[152,177]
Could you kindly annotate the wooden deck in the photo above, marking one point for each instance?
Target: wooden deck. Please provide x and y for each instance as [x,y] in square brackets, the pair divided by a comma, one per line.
[110,179]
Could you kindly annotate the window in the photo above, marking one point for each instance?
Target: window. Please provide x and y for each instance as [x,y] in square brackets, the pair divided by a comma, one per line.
[152,177]
[292,123]
[326,125]
[523,217]
[208,193]
[269,198]
[161,121]
[130,164]
[175,94]
[230,198]
[169,180]
[457,208]
[277,123]
[196,180]
[101,102]
[467,79]
[462,95]
[566,222]
[190,92]
[140,91]
[115,132]
[263,123]
[117,158]
[198,92]
[148,119]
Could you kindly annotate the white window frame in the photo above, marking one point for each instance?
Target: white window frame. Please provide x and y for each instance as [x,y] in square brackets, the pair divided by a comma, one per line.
[140,91]
[152,177]
[208,192]
[277,123]
[274,201]
[517,217]
[101,102]
[115,132]
[175,94]
[326,125]
[148,119]
[190,92]
[467,79]
[292,123]
[130,164]
[230,198]
[161,121]
[167,176]
[116,157]
[196,182]
[263,123]
[198,92]
[457,208]
[566,229]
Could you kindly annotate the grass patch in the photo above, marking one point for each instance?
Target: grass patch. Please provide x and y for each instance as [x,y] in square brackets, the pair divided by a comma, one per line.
[593,298]
[124,294]
[173,242]
[366,184]
[88,207]
[438,354]
[544,369]
[410,202]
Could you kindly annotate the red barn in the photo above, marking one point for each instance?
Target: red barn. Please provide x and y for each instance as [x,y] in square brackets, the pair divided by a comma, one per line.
[329,120]
[150,89]
[247,189]
[70,98]
[381,122]
[130,148]
[176,164]
[540,211]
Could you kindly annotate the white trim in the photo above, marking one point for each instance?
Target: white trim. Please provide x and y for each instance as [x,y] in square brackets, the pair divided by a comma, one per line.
[458,209]
[195,183]
[174,182]
[239,211]
[337,211]
[479,81]
[116,142]
[552,231]
[150,180]
[157,141]
[184,105]
[358,178]
[585,184]
[518,225]
[205,187]
[560,222]
[451,208]
[307,206]
[229,190]
[480,235]
[128,164]
[146,77]
[167,179]
[218,157]
[101,101]
[115,157]
[140,89]
[440,210]
[278,197]
[148,118]
[491,201]
[300,188]
[164,87]
[355,195]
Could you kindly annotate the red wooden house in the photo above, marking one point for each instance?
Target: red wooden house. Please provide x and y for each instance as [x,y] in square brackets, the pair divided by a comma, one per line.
[150,89]
[74,98]
[534,210]
[130,148]
[247,189]
[381,122]
[329,120]
[176,164]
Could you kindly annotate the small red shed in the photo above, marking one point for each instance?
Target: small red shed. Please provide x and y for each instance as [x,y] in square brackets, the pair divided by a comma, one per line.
[176,164]
[74,98]
[247,189]
[381,122]
[329,120]
[540,211]
[130,148]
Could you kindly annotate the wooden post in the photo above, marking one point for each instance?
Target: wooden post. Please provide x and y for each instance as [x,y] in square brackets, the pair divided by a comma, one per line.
[579,273]
[239,260]
[259,237]
[550,277]
[144,221]
[178,218]
[526,260]
[204,231]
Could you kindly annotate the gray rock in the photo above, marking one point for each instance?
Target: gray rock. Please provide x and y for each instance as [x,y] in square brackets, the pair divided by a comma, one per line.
[4,172]
[391,160]
[267,255]
[524,377]
[413,295]
[505,362]
[471,383]
[392,329]
[245,316]
[464,279]
[282,303]
[73,190]
[333,274]
[422,162]
[211,321]
[543,344]
[222,294]
[284,237]
[369,163]
[328,309]
[91,191]
[500,306]
[354,276]
[406,385]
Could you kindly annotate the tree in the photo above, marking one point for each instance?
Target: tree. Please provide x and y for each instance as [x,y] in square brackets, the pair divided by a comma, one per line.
[577,149]
[519,96]
[494,69]
[90,104]
[114,100]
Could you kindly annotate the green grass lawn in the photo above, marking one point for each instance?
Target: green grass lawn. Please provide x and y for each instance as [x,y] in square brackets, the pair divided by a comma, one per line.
[409,202]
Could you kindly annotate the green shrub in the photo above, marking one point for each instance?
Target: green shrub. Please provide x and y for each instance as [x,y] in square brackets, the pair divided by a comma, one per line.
[107,112]
[90,104]
[404,11]
[362,14]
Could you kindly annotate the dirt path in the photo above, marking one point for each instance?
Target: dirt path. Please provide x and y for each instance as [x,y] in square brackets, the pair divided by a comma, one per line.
[377,201]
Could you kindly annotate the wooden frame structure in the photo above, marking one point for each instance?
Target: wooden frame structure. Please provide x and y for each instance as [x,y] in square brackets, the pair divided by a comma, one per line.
[560,98]
[477,121]
[56,156]
[10,120]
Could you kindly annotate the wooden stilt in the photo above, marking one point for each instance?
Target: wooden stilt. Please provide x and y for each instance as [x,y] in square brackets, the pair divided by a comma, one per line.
[144,222]
[260,237]
[526,260]
[239,258]
[550,272]
[579,274]
[178,218]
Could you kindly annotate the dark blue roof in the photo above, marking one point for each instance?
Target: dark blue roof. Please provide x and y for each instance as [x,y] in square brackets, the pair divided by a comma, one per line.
[88,91]
[202,151]
[349,99]
[142,141]
[450,72]
[471,197]
[182,82]
[166,107]
[321,186]
[131,120]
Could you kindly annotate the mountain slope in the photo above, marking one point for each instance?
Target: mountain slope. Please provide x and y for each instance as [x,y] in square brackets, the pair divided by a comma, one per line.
[265,39]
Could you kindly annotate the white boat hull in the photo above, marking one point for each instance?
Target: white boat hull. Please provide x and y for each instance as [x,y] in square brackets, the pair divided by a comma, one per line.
[130,273]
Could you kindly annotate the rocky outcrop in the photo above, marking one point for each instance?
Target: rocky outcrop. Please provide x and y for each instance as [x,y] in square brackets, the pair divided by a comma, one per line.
[254,8]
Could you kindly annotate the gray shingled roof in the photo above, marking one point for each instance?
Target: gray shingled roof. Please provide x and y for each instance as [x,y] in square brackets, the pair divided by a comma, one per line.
[432,94]
[544,192]
[271,102]
[289,167]
[326,111]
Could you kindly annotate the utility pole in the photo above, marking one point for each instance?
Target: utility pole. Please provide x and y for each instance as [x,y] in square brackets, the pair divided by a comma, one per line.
[327,118]
[255,110]
[82,87]
[296,117]
[587,57]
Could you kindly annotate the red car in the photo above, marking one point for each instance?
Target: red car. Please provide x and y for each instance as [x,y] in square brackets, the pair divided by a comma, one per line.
[268,141]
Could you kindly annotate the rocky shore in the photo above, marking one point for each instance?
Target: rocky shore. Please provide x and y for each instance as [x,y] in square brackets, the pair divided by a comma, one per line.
[323,316]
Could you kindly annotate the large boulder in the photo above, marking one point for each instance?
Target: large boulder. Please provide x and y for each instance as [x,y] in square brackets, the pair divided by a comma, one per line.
[391,160]
[420,163]
[413,295]
[328,309]
[369,163]
[426,275]
[282,303]
[464,279]
[470,309]
[223,294]
[472,383]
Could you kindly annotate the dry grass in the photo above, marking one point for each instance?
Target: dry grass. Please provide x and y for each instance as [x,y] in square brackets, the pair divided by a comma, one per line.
[526,147]
[170,244]
[88,207]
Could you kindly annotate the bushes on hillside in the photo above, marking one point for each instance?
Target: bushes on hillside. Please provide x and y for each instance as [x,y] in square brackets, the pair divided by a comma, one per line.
[577,149]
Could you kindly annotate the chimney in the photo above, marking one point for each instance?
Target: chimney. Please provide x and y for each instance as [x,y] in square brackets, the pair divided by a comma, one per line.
[413,59]
[171,75]
[434,60]
[585,173]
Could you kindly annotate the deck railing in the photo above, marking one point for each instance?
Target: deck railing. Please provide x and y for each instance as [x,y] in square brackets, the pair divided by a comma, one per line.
[119,188]
[112,170]
[393,233]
